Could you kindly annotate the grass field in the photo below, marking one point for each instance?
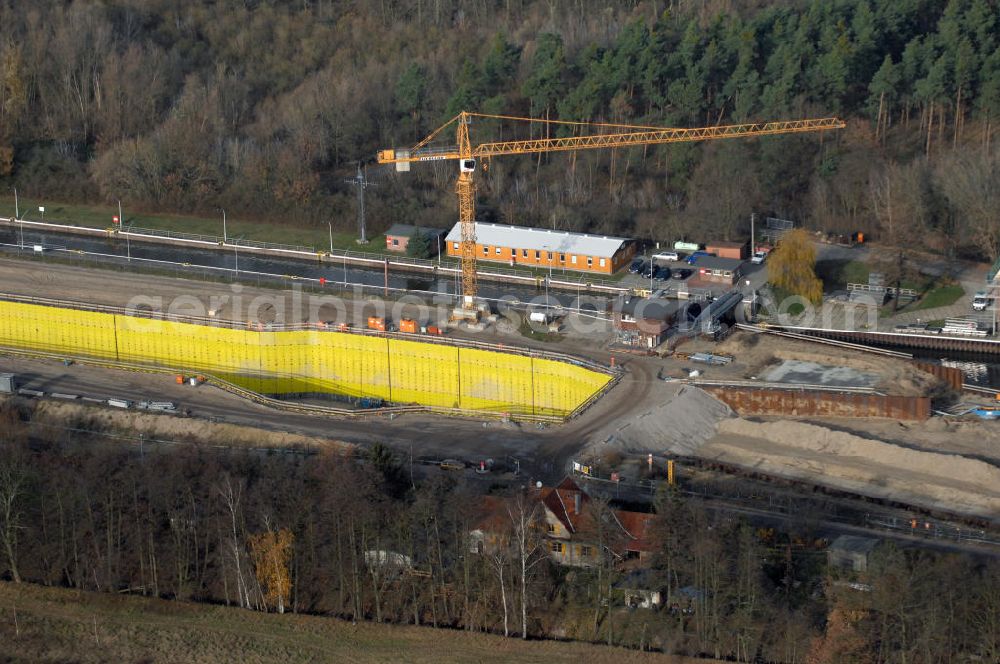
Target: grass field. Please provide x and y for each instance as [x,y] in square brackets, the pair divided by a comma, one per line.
[314,237]
[59,625]
[933,293]
[99,216]
[941,296]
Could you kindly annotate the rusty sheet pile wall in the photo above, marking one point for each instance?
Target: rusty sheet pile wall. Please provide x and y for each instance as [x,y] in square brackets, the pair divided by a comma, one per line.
[297,362]
[952,377]
[802,403]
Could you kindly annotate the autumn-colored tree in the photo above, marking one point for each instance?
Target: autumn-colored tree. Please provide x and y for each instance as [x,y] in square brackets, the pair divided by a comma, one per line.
[841,644]
[792,266]
[271,552]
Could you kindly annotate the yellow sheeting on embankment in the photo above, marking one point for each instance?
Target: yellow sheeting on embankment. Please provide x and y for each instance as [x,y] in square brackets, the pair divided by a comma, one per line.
[304,362]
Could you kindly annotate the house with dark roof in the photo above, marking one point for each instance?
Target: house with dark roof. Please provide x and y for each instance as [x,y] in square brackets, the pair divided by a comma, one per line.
[576,533]
[644,322]
[397,238]
[719,270]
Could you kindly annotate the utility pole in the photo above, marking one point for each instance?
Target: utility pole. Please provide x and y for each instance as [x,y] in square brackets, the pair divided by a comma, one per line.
[17,210]
[753,242]
[361,183]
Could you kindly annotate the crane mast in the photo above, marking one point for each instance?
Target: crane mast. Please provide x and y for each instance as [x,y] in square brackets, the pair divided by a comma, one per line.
[611,136]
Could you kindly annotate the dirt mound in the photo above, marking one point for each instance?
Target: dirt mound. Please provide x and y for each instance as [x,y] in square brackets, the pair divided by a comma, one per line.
[679,422]
[864,465]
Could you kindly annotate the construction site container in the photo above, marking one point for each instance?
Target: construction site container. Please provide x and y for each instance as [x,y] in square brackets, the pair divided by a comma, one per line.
[376,323]
[408,325]
[120,403]
[7,383]
[687,246]
[179,379]
[434,329]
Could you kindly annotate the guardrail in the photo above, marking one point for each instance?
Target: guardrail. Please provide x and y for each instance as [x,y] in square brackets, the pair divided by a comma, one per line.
[786,332]
[869,288]
[770,385]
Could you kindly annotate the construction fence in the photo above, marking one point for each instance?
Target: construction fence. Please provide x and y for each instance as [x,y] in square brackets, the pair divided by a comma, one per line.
[312,362]
[815,403]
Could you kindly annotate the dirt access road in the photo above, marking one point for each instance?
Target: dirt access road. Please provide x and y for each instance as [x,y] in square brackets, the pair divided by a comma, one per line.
[543,453]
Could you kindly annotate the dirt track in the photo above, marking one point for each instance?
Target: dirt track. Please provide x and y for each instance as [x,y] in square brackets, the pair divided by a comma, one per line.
[865,465]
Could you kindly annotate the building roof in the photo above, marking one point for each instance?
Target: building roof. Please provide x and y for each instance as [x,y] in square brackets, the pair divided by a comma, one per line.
[854,544]
[406,230]
[561,501]
[727,244]
[637,525]
[540,239]
[649,309]
[717,263]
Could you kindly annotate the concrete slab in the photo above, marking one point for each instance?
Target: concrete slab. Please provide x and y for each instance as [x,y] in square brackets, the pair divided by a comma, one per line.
[810,373]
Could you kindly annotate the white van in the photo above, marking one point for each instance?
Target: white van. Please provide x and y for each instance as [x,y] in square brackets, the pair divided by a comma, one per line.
[667,256]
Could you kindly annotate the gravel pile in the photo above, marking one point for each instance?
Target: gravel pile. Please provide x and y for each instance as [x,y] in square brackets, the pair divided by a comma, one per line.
[677,423]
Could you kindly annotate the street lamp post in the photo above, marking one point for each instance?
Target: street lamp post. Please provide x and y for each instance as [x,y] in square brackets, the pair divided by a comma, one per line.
[224,235]
[17,216]
[330,226]
[128,242]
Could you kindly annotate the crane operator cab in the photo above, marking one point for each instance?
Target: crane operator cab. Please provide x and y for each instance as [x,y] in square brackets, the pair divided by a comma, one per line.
[466,165]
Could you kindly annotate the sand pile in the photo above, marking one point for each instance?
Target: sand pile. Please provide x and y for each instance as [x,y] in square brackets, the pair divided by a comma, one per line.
[678,422]
[862,465]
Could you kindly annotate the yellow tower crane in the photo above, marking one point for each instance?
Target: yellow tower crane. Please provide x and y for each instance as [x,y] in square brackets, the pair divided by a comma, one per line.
[611,136]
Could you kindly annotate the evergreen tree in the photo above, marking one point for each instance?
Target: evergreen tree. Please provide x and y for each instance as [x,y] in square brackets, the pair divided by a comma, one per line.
[419,245]
[469,90]
[884,88]
[546,83]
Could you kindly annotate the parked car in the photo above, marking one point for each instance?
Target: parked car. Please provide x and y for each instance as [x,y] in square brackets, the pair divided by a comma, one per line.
[648,270]
[667,256]
[759,257]
[980,301]
[693,258]
[662,273]
[682,273]
[636,266]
